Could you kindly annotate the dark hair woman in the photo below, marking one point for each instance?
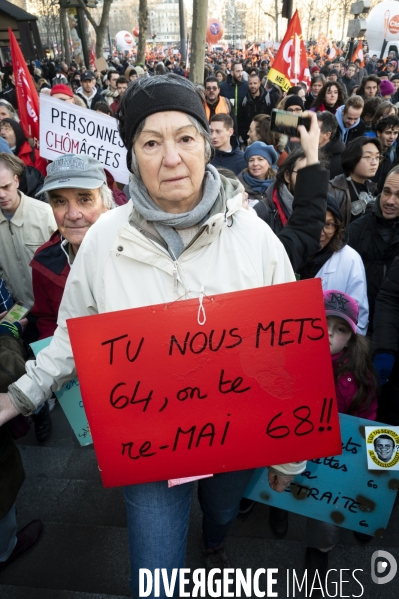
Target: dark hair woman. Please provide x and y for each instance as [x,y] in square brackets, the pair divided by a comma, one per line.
[338,265]
[330,97]
[316,85]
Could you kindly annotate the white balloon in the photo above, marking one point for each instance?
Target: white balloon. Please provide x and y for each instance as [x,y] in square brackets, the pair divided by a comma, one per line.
[124,41]
[382,23]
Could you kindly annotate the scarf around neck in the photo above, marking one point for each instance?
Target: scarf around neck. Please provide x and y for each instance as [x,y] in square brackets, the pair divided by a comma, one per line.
[257,185]
[166,223]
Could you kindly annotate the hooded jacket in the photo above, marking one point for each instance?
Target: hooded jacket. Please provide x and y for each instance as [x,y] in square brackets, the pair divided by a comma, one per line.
[122,249]
[376,239]
[349,133]
[234,91]
[92,100]
[233,160]
[332,152]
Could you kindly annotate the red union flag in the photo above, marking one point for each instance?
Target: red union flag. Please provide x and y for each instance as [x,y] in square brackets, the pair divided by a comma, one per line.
[28,100]
[291,62]
[358,54]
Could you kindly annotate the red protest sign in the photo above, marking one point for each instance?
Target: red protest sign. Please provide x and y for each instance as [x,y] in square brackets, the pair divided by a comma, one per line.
[168,398]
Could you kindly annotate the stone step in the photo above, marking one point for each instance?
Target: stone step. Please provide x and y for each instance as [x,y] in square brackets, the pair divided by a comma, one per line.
[74,557]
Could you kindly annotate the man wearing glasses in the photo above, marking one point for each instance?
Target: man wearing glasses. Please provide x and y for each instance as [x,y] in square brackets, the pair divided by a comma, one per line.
[217,104]
[353,190]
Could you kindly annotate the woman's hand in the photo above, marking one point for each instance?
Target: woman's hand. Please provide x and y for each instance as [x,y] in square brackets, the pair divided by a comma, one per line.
[309,140]
[279,482]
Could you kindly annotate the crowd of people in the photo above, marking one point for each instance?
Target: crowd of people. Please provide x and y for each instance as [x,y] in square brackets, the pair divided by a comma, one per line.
[323,204]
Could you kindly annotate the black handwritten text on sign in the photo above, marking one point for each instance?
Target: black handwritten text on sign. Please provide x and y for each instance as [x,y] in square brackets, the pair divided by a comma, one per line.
[168,398]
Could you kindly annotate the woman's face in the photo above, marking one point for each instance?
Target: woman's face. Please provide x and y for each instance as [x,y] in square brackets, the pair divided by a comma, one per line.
[316,87]
[339,333]
[258,167]
[219,76]
[328,230]
[4,114]
[252,133]
[171,159]
[331,97]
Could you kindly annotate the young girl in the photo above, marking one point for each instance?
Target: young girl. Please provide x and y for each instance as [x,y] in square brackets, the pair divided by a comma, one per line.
[356,389]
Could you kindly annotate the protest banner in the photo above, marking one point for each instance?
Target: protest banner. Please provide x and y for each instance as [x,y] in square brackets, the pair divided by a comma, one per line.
[338,489]
[167,397]
[69,129]
[70,401]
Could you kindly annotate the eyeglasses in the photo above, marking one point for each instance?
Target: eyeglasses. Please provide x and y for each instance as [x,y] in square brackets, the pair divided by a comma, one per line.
[211,89]
[330,227]
[370,159]
[296,110]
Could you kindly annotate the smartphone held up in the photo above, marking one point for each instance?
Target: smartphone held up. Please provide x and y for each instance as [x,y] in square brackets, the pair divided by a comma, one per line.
[287,122]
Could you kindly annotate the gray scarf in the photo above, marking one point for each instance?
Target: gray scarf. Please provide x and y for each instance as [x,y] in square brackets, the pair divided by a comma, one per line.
[286,197]
[166,222]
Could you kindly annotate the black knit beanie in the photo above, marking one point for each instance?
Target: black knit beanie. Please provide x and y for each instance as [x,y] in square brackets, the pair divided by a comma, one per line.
[156,94]
[293,101]
[333,206]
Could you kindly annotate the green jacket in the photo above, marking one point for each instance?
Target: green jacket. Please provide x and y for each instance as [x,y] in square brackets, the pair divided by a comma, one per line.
[12,475]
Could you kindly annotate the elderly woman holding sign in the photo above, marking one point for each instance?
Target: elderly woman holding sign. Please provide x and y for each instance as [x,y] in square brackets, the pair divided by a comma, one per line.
[184,234]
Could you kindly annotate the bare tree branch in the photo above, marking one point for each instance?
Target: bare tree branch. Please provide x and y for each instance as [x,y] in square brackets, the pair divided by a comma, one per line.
[88,15]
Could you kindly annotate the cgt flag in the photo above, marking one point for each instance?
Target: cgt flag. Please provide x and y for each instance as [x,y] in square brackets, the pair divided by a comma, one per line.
[28,100]
[291,62]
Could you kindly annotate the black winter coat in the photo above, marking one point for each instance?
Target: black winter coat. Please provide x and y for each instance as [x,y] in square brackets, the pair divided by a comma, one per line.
[233,160]
[386,317]
[332,153]
[339,188]
[234,91]
[301,235]
[249,108]
[376,239]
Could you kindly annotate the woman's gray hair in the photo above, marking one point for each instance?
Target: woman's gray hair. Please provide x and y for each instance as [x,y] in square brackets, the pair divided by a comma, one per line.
[105,193]
[199,128]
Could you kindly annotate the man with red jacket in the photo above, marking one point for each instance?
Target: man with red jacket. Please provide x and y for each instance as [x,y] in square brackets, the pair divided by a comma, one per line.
[76,188]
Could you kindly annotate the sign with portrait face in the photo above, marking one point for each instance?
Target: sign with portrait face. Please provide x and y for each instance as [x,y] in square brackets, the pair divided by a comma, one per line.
[341,489]
[382,447]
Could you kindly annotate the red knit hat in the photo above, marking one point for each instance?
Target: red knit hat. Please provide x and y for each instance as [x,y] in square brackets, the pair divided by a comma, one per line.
[61,88]
[314,70]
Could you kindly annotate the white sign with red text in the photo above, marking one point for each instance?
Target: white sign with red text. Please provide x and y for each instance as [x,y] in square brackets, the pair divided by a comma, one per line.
[69,129]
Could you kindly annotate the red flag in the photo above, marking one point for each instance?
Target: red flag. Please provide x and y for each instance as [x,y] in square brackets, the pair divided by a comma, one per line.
[358,53]
[291,62]
[28,99]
